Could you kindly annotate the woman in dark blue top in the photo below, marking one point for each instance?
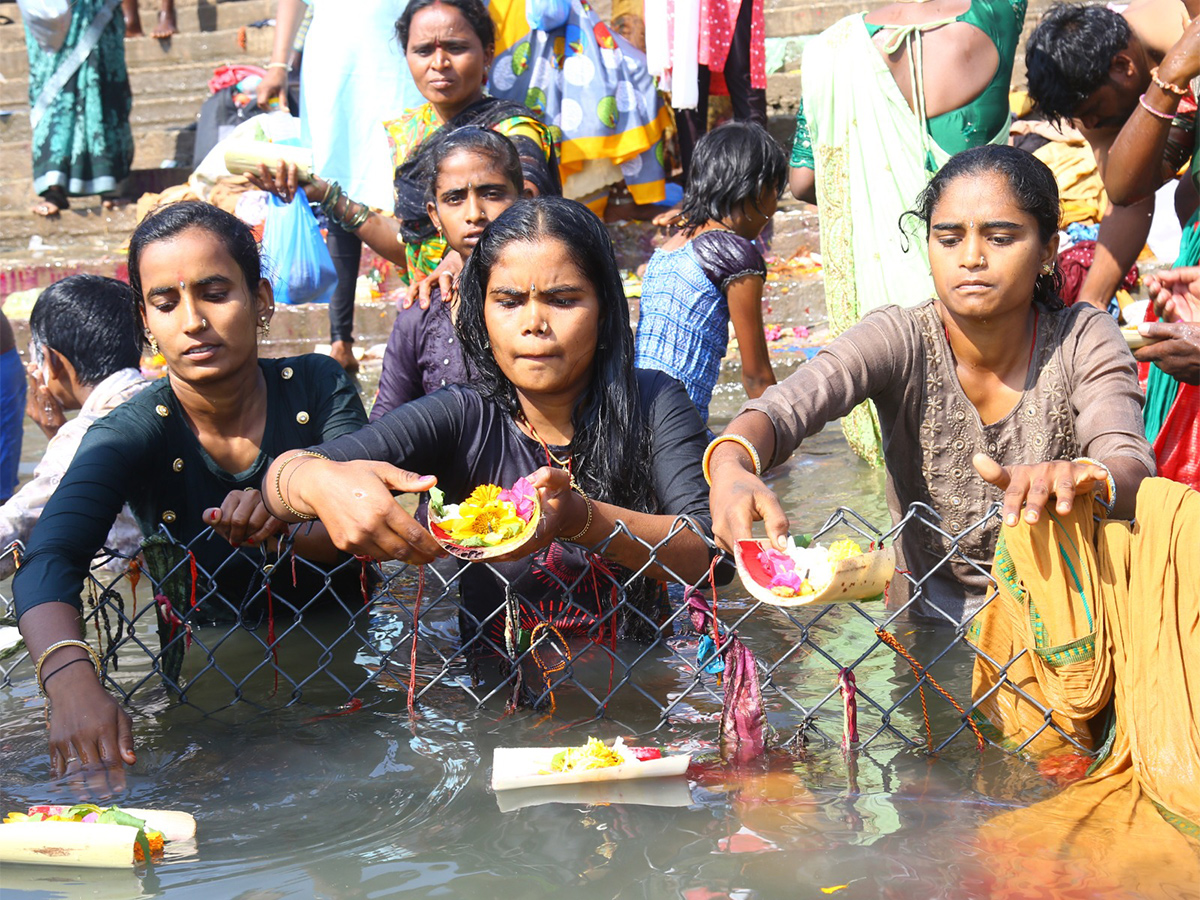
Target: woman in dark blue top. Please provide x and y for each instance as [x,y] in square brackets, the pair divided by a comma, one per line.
[552,396]
[188,453]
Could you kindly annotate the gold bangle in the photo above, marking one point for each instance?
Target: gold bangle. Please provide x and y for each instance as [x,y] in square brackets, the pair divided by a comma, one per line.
[70,642]
[303,517]
[587,526]
[742,442]
[1109,482]
[1175,89]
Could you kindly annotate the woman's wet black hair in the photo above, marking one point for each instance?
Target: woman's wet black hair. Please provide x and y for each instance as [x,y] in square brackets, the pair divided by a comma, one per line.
[491,145]
[732,165]
[611,444]
[169,221]
[473,11]
[90,321]
[1032,185]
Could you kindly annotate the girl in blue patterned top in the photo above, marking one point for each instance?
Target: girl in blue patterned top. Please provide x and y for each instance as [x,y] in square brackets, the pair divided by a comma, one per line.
[711,271]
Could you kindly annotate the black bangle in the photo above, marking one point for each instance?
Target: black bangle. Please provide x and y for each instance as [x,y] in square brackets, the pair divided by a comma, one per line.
[63,666]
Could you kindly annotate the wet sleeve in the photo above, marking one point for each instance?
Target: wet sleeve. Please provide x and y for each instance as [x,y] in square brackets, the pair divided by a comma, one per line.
[400,381]
[862,363]
[678,437]
[726,257]
[802,153]
[1104,389]
[420,436]
[116,451]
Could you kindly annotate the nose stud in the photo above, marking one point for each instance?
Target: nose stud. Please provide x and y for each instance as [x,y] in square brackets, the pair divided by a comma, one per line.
[981,259]
[203,322]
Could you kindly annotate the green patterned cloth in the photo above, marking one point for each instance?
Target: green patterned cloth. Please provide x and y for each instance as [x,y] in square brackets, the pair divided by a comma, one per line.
[82,141]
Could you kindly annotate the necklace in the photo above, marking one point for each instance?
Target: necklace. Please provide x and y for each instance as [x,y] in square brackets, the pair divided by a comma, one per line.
[567,464]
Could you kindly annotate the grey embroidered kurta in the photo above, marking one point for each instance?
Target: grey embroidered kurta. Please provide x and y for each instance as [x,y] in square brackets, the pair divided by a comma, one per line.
[1081,398]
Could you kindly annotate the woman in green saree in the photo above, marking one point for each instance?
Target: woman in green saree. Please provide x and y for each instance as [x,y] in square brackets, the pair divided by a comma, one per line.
[79,102]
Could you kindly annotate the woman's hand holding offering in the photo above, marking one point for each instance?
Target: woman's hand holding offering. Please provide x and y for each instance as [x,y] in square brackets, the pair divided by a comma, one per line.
[284,181]
[1032,486]
[738,499]
[354,502]
[42,406]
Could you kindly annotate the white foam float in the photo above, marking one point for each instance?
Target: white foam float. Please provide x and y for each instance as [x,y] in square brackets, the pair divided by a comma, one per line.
[529,767]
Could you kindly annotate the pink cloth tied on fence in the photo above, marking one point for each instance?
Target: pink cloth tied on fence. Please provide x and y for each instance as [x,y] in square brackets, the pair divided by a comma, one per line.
[743,720]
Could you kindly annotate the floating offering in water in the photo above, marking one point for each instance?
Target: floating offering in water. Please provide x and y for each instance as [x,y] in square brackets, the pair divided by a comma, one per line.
[815,574]
[89,835]
[492,521]
[520,767]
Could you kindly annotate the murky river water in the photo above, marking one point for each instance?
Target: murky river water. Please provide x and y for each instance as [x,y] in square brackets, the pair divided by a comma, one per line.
[299,804]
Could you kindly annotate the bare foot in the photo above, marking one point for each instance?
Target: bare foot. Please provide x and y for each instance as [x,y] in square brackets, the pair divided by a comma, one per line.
[343,352]
[114,202]
[46,209]
[52,203]
[166,25]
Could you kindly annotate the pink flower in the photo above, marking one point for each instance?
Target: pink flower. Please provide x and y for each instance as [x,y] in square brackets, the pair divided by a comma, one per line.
[91,817]
[780,569]
[521,496]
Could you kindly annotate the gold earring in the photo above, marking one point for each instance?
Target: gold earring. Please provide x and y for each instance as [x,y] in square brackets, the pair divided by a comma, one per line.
[1048,268]
[153,343]
[266,325]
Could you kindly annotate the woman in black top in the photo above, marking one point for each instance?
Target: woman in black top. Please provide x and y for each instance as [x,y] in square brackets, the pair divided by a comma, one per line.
[545,329]
[187,453]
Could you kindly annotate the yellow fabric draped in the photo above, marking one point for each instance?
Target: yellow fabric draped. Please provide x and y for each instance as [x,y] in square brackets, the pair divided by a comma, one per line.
[1102,611]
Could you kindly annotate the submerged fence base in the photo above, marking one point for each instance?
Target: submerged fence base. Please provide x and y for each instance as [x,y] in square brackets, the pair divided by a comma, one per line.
[857,672]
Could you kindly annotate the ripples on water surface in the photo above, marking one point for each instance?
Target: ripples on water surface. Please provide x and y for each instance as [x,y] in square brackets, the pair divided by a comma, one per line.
[300,803]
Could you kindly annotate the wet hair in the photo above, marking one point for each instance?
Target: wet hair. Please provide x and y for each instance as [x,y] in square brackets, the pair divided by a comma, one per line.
[169,221]
[1033,188]
[473,11]
[1069,54]
[611,443]
[90,321]
[491,145]
[731,165]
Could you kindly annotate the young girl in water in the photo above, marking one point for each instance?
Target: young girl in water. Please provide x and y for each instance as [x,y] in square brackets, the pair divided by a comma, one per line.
[991,391]
[553,397]
[187,453]
[711,272]
[477,175]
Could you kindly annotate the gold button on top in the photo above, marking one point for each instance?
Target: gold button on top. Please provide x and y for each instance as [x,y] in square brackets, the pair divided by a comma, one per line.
[162,410]
[302,417]
[177,465]
[168,516]
[286,373]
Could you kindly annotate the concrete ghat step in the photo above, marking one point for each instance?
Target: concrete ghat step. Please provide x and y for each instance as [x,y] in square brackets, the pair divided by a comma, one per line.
[163,113]
[151,148]
[192,19]
[169,74]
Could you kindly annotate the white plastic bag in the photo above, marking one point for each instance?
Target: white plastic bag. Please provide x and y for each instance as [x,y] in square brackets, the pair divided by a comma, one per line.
[48,21]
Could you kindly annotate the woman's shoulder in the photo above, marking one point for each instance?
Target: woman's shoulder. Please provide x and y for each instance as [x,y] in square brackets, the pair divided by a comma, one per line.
[656,388]
[725,256]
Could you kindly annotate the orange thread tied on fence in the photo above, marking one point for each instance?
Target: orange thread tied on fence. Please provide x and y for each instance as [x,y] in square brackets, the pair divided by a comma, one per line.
[547,671]
[918,671]
[412,654]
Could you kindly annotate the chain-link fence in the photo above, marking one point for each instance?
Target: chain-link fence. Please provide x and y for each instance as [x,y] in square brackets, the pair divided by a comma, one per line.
[166,632]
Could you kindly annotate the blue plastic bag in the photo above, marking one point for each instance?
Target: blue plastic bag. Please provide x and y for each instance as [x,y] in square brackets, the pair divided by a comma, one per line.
[546,15]
[297,260]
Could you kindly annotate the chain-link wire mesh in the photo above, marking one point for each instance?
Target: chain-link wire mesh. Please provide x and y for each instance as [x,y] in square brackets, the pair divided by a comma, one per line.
[161,624]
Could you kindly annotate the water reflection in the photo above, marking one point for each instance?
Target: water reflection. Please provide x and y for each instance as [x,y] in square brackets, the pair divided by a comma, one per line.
[357,802]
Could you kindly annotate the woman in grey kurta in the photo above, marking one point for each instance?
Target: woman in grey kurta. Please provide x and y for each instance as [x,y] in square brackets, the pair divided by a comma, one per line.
[995,366]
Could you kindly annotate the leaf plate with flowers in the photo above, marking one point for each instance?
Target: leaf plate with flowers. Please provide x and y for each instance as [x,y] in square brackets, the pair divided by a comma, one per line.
[492,521]
[803,573]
